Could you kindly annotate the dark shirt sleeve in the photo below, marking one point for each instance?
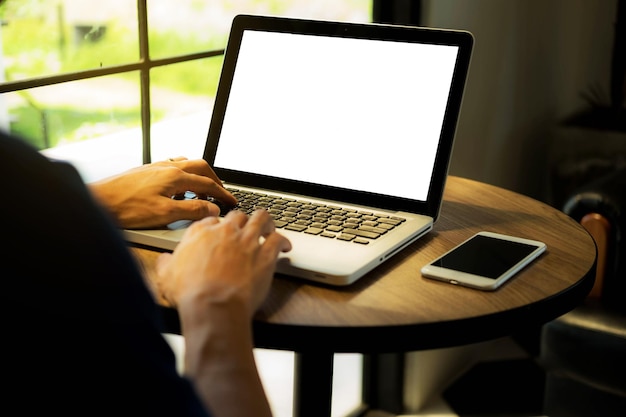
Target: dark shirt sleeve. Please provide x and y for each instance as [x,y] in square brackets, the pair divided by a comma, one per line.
[81,330]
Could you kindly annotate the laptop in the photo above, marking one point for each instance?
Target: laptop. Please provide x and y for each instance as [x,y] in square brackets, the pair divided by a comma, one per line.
[343,131]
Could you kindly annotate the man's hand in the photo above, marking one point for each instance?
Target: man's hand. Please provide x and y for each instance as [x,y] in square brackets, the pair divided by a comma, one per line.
[142,197]
[217,278]
[232,259]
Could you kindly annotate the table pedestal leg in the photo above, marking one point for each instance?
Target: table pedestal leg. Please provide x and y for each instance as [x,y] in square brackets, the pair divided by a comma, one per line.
[383,381]
[313,384]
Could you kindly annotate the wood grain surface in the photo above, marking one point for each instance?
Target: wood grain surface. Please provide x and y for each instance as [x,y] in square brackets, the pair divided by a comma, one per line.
[394,308]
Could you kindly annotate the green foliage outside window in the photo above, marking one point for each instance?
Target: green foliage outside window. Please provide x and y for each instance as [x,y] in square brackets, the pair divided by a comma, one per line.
[38,39]
[36,46]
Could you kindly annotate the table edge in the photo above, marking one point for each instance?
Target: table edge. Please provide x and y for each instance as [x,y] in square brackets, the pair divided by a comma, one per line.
[409,337]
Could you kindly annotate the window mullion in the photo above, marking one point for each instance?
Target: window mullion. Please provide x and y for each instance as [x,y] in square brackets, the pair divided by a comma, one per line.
[144,72]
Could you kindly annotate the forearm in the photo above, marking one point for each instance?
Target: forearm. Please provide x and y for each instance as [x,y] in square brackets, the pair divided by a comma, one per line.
[107,196]
[219,359]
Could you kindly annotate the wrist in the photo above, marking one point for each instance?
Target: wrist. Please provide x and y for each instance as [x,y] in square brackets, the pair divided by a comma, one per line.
[100,194]
[216,331]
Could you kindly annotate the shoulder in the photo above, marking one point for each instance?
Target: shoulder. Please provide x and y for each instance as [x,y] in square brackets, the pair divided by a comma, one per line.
[77,304]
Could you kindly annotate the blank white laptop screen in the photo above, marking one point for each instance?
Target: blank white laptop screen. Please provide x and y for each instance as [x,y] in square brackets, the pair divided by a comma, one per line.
[293,96]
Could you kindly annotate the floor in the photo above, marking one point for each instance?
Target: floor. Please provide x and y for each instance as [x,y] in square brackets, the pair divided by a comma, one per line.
[499,379]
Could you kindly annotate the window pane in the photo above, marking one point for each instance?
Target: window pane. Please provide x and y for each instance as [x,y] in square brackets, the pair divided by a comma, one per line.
[41,38]
[95,123]
[178,27]
[185,26]
[182,97]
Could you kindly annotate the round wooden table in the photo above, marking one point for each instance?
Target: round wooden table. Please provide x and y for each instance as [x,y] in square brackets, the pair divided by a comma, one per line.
[395,309]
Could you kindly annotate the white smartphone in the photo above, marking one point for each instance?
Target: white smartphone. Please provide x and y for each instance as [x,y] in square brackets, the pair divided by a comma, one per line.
[484,261]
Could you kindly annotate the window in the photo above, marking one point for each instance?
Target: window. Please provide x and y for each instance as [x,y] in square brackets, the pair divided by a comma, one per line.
[112,84]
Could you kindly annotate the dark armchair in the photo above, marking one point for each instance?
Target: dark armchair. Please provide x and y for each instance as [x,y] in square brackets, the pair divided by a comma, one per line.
[584,351]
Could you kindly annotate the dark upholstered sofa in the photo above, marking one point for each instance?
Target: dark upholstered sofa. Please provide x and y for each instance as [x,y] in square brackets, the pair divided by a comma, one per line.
[584,351]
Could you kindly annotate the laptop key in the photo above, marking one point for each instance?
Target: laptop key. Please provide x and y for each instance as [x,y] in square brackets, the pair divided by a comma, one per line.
[279,223]
[378,230]
[295,227]
[362,233]
[394,221]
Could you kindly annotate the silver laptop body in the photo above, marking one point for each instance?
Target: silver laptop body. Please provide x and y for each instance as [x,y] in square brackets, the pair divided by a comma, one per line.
[330,116]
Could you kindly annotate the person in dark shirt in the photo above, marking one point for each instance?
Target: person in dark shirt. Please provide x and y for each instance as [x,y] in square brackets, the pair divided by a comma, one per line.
[82,333]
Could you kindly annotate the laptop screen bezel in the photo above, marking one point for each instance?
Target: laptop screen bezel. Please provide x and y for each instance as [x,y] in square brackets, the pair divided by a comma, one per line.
[431,206]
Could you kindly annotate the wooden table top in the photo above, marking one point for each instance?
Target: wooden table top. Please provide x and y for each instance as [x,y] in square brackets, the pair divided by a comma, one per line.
[394,308]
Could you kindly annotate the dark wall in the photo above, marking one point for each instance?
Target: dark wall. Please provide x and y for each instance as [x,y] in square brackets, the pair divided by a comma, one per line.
[535,63]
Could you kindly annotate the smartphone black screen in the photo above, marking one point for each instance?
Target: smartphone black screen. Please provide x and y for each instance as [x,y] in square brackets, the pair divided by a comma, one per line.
[485,256]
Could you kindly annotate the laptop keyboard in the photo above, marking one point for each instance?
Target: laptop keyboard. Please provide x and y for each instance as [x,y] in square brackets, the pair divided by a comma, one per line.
[331,222]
